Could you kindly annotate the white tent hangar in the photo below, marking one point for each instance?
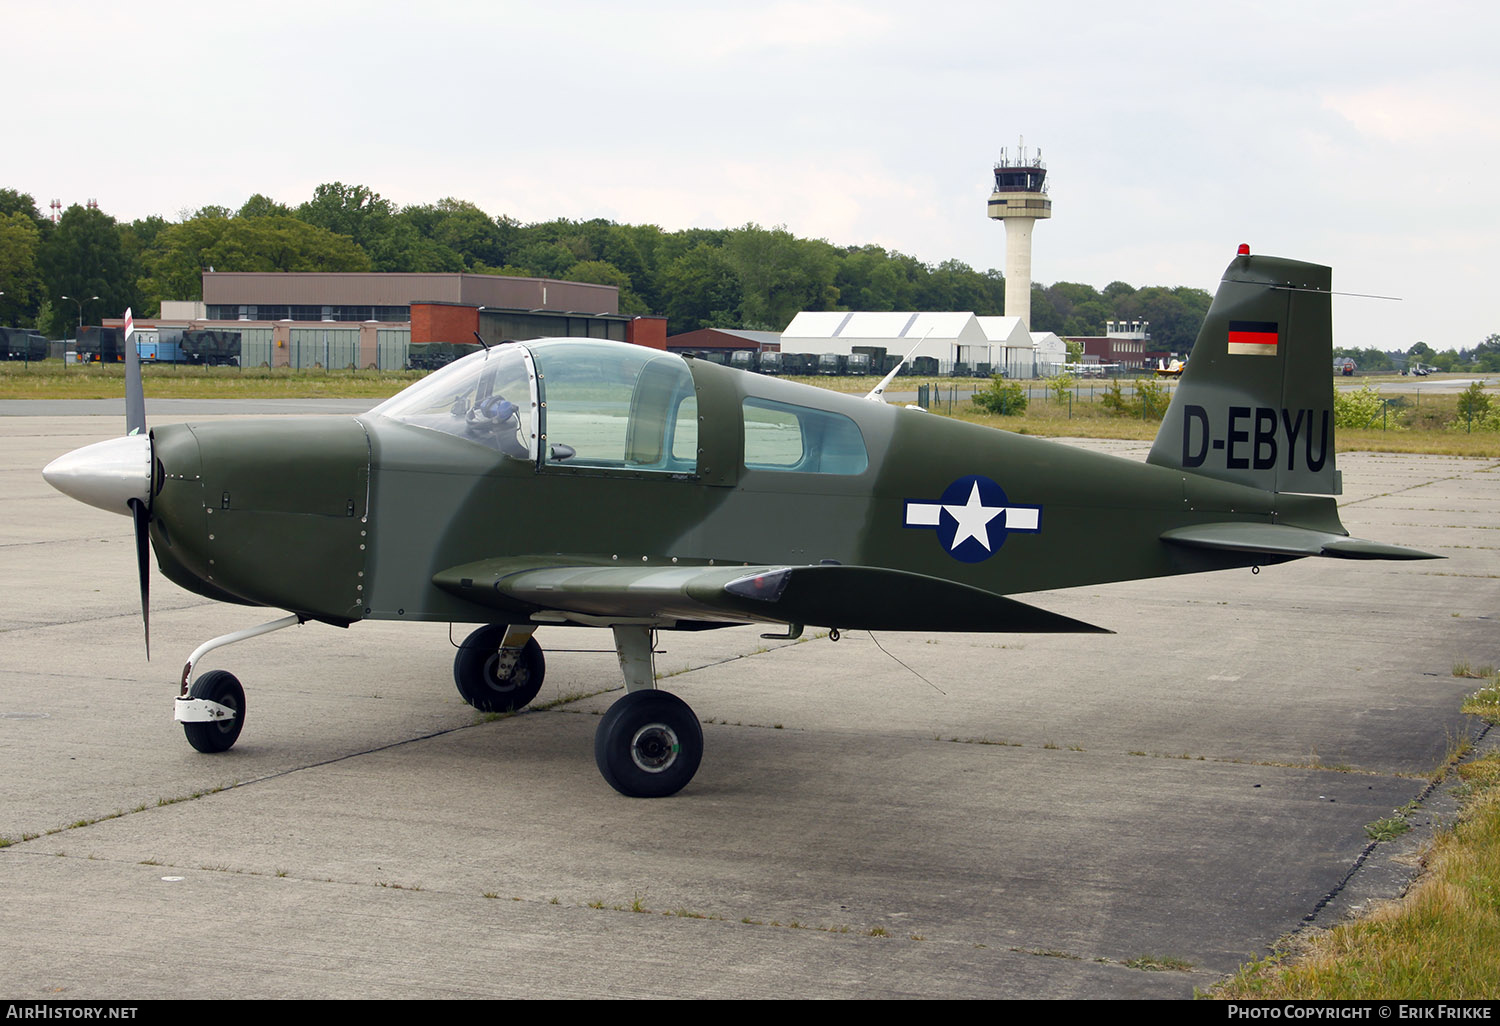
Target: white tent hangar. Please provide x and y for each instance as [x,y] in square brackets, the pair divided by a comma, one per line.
[1013,356]
[945,337]
[1051,353]
[1002,343]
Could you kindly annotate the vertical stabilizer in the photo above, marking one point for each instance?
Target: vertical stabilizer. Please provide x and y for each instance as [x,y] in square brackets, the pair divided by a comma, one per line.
[1255,405]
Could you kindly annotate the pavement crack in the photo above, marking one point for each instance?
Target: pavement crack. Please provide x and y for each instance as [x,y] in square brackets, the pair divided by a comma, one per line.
[1141,963]
[130,614]
[762,650]
[336,759]
[1437,779]
[1401,491]
[160,803]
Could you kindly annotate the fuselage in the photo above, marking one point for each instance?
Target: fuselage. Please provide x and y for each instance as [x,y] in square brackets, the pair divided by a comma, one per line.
[348,518]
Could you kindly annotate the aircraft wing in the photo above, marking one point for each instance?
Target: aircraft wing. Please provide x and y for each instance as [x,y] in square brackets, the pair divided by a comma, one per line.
[848,597]
[1284,540]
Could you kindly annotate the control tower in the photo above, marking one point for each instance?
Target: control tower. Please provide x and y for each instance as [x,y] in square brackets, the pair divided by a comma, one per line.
[1019,199]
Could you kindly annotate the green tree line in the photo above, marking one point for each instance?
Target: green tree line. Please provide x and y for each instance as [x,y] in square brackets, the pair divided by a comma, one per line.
[748,277]
[1483,358]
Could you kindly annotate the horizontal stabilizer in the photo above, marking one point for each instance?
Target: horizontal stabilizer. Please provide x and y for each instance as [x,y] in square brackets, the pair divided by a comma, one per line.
[1283,540]
[847,597]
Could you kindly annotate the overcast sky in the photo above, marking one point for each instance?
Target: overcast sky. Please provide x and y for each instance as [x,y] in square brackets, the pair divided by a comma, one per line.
[1364,135]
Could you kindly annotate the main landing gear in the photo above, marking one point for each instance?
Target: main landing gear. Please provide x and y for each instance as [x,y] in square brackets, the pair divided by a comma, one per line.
[499,668]
[648,745]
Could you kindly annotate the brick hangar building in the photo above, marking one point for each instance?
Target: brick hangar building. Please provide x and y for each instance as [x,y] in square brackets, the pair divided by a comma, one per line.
[304,319]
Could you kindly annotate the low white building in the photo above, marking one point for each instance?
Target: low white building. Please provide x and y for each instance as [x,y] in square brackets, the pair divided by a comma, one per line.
[1010,346]
[1000,344]
[1051,353]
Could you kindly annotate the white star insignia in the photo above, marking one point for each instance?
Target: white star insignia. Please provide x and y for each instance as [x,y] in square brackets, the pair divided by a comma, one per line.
[973,520]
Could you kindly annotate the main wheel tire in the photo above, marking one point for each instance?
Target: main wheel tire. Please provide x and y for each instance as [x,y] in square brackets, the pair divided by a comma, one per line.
[648,745]
[222,687]
[476,672]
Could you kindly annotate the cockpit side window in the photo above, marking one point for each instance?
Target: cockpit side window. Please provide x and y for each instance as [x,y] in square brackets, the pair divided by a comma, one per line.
[613,406]
[781,436]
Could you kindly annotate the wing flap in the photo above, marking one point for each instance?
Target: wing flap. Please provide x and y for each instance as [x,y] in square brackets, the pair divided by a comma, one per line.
[848,597]
[1284,540]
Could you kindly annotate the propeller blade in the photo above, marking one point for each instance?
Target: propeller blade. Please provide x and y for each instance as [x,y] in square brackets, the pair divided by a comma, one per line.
[140,514]
[142,518]
[135,393]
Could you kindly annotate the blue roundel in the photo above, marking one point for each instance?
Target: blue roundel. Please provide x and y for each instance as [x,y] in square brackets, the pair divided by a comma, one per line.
[972,518]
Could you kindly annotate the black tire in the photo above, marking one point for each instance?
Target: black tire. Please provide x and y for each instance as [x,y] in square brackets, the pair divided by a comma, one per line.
[648,745]
[224,688]
[475,672]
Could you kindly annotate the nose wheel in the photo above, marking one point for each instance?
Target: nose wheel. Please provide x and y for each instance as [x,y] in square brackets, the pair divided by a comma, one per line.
[225,704]
[649,744]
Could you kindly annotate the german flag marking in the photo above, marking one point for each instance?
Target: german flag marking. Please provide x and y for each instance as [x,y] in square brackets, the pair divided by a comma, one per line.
[1253,338]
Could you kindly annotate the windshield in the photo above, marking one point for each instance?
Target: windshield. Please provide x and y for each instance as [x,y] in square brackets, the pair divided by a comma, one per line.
[488,397]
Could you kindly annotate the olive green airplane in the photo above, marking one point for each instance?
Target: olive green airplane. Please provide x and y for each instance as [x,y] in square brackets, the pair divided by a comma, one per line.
[584,482]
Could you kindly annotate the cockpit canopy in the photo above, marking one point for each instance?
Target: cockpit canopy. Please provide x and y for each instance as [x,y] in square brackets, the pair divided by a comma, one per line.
[588,403]
[582,401]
